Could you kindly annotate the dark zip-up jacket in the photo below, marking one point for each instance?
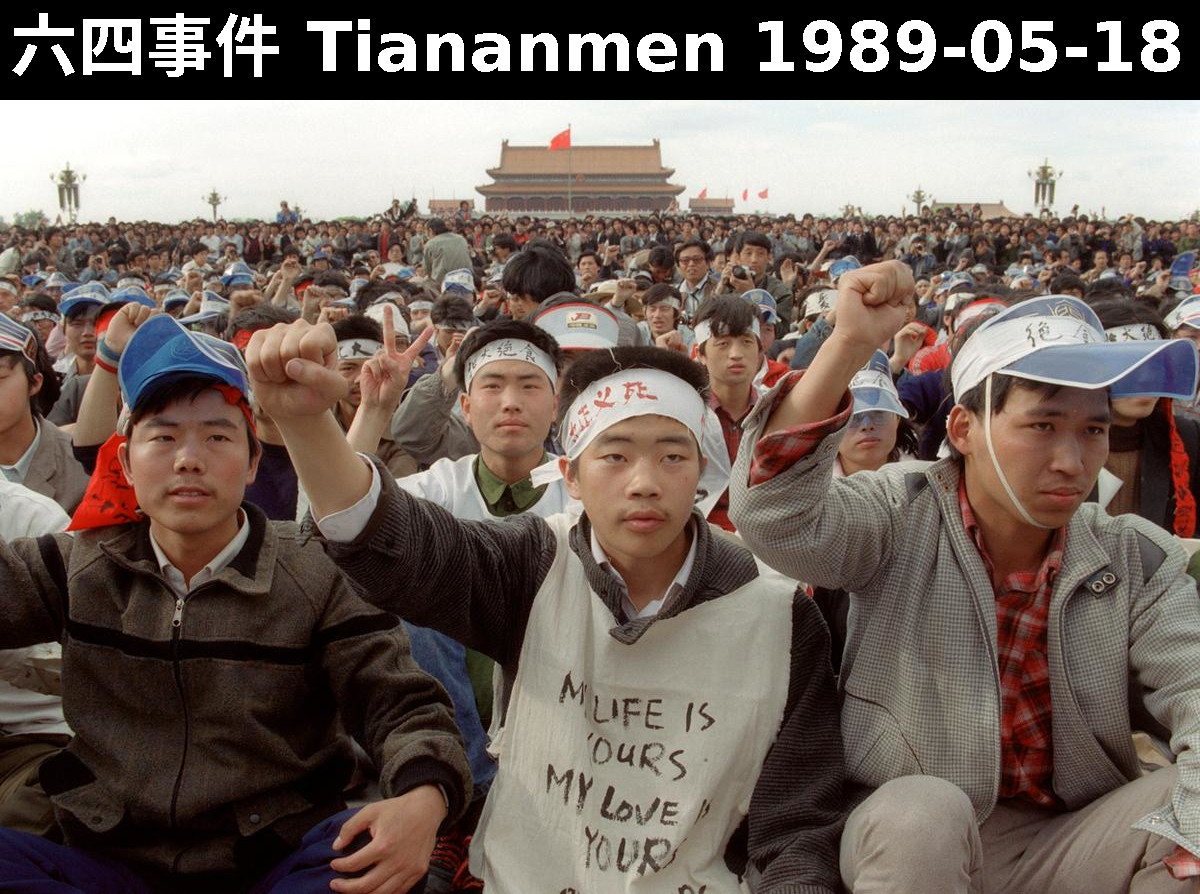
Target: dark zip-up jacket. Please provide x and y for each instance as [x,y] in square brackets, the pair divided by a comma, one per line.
[208,729]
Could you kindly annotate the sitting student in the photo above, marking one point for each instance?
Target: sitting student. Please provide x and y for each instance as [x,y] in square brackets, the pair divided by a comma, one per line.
[359,337]
[86,311]
[32,727]
[1153,455]
[878,433]
[632,630]
[212,663]
[728,337]
[507,373]
[663,325]
[1000,623]
[33,452]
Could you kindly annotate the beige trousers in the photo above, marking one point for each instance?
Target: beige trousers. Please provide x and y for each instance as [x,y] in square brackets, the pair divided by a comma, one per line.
[918,834]
[24,806]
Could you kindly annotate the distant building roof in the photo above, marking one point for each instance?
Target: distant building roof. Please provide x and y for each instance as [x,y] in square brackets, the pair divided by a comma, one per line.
[711,204]
[989,210]
[448,206]
[526,160]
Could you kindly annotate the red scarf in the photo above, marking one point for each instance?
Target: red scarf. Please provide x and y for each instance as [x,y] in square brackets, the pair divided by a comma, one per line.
[1184,522]
[109,498]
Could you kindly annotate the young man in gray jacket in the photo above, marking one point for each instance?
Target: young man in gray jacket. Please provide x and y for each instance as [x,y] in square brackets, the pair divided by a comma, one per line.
[212,666]
[998,624]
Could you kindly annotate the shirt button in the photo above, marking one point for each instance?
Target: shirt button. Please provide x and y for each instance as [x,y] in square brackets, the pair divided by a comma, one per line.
[1155,820]
[255,818]
[1109,577]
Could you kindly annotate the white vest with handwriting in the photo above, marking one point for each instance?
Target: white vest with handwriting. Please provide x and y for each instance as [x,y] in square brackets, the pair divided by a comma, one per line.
[627,768]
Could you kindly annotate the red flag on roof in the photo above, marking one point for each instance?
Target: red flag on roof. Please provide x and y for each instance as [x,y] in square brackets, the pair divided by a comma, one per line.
[703,193]
[745,195]
[561,140]
[763,194]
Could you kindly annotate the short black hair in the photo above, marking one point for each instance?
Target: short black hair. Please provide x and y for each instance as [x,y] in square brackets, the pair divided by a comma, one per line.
[590,253]
[504,240]
[357,326]
[1109,287]
[188,388]
[451,308]
[596,365]
[372,291]
[328,278]
[1127,312]
[1069,280]
[539,270]
[661,257]
[40,301]
[751,237]
[694,243]
[437,226]
[260,316]
[500,329]
[728,315]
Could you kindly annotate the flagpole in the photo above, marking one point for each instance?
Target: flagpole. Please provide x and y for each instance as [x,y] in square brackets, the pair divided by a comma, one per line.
[570,169]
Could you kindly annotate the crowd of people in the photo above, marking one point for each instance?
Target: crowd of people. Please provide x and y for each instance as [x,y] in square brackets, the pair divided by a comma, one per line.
[666,553]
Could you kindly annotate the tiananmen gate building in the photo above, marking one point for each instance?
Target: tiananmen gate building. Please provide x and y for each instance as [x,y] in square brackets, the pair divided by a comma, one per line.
[580,180]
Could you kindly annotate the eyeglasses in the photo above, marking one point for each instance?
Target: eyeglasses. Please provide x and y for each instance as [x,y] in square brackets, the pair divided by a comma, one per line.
[696,259]
[873,418]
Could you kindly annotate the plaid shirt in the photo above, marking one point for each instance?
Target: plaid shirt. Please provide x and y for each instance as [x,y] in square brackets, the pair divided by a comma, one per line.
[1022,608]
[1019,777]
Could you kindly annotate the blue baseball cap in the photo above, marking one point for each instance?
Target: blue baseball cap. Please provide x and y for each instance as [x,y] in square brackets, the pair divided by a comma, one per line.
[212,306]
[90,293]
[131,295]
[1182,266]
[175,297]
[765,301]
[56,280]
[238,274]
[33,279]
[873,389]
[843,265]
[162,349]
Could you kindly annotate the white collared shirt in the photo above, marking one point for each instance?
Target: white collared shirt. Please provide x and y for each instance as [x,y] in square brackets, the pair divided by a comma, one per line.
[218,563]
[17,471]
[673,589]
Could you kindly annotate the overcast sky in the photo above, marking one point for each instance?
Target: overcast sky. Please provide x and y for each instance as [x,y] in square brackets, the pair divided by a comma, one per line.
[157,160]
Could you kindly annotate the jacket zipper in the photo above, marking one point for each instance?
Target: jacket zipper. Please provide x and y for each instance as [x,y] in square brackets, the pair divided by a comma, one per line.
[176,627]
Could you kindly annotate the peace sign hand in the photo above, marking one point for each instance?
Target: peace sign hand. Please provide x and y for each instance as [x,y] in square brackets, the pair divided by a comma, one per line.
[384,377]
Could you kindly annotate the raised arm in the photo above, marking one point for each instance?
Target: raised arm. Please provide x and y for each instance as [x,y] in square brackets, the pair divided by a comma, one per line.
[100,406]
[783,498]
[472,581]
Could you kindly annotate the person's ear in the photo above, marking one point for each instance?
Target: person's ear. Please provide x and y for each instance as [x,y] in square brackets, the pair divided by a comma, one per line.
[36,385]
[123,459]
[464,401]
[959,427]
[255,459]
[570,480]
